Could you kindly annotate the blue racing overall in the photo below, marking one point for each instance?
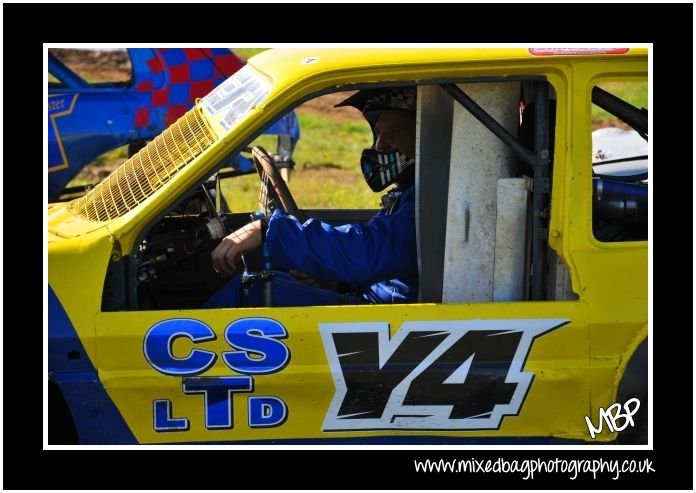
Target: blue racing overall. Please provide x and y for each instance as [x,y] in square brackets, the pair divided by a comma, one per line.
[376,259]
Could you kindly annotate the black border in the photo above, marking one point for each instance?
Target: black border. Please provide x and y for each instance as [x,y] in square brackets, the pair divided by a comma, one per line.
[27,26]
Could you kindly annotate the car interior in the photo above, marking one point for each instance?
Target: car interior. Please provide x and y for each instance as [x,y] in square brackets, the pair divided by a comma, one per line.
[484,168]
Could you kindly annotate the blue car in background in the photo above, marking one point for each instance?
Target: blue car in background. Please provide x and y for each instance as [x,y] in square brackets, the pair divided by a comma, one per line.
[87,119]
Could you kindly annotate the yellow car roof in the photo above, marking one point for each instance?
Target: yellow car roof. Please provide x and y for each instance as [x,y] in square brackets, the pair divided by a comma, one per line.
[299,61]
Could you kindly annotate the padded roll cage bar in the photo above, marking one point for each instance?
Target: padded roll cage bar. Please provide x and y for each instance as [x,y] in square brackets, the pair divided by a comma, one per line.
[538,158]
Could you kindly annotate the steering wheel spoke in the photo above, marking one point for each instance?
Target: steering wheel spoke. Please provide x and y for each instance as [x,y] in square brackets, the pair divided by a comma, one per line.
[273,186]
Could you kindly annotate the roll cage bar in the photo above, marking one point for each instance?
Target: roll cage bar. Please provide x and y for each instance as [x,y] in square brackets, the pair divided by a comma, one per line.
[539,158]
[636,118]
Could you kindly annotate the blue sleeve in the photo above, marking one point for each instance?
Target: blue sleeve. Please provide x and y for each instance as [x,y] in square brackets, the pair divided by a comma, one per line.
[383,248]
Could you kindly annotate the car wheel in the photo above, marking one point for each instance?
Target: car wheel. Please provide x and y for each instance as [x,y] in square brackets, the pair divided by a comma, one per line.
[61,428]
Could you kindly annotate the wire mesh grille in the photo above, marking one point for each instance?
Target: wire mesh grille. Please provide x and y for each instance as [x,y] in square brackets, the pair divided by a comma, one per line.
[147,171]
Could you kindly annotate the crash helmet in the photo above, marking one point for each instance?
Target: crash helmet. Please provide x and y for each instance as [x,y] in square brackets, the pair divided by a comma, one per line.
[383,168]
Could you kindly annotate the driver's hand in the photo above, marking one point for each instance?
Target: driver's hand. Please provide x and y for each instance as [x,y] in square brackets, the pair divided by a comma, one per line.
[303,278]
[227,253]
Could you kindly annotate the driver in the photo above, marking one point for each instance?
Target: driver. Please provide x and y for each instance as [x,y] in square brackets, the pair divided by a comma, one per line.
[376,260]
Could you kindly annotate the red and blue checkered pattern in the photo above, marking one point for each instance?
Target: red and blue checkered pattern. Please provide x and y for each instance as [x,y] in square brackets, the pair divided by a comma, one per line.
[177,77]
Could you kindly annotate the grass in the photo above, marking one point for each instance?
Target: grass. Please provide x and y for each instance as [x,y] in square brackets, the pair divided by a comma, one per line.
[635,93]
[312,189]
[327,171]
[328,143]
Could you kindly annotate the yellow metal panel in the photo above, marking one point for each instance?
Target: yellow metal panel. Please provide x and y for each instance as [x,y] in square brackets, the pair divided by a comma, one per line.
[76,271]
[557,399]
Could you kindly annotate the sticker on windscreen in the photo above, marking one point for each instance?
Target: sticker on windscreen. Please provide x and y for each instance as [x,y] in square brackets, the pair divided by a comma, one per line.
[235,97]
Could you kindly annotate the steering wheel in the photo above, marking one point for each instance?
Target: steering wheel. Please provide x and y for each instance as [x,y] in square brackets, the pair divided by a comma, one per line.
[273,186]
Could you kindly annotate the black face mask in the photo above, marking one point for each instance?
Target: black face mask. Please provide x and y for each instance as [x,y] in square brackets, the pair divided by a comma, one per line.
[381,169]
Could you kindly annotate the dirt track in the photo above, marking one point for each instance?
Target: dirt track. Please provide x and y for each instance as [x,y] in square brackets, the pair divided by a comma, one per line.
[323,106]
[96,65]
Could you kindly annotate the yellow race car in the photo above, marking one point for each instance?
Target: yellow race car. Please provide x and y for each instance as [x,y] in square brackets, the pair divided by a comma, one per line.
[531,323]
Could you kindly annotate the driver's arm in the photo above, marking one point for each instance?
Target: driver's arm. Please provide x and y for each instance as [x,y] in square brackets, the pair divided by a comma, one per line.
[358,253]
[227,253]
